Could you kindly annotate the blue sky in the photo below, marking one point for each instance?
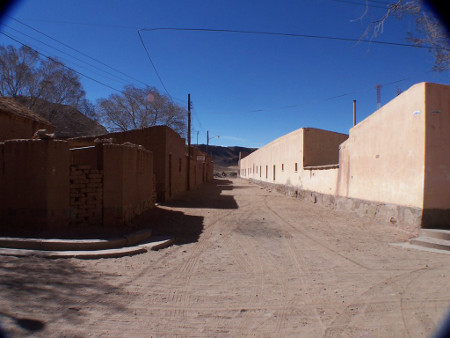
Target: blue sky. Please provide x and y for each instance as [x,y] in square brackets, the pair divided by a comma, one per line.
[247,89]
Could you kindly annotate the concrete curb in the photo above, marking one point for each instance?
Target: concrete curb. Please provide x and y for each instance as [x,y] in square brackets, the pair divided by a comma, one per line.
[154,243]
[421,248]
[74,244]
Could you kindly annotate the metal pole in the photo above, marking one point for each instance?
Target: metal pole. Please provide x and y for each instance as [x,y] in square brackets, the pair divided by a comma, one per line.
[189,144]
[354,112]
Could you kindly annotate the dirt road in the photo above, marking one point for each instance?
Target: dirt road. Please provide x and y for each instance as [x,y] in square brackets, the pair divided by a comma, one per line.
[247,262]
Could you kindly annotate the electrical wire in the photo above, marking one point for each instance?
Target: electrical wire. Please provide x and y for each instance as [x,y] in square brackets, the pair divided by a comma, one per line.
[153,65]
[362,4]
[118,79]
[323,37]
[299,105]
[76,50]
[56,61]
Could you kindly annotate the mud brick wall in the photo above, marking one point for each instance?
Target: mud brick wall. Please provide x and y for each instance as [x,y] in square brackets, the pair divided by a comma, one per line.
[86,196]
[34,185]
[127,182]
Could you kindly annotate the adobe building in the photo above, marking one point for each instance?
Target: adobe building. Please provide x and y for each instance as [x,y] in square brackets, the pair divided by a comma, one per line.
[169,158]
[47,188]
[394,165]
[201,169]
[19,122]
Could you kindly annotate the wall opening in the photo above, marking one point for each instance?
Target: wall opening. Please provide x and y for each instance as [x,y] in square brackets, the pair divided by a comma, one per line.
[274,172]
[267,171]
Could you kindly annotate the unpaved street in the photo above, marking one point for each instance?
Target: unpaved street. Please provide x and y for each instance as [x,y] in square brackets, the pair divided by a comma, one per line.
[247,262]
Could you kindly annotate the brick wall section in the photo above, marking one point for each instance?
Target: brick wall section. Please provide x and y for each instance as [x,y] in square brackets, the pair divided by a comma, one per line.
[86,196]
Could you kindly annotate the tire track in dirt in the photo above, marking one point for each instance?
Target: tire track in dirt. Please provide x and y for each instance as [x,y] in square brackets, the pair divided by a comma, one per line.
[361,301]
[184,273]
[288,301]
[350,309]
[258,275]
[419,318]
[333,253]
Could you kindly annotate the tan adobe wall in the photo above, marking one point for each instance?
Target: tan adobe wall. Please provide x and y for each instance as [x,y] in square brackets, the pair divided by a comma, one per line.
[321,147]
[34,185]
[383,159]
[436,196]
[395,162]
[17,127]
[286,155]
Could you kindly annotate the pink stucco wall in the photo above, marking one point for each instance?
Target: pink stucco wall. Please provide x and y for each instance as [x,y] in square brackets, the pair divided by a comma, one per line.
[383,159]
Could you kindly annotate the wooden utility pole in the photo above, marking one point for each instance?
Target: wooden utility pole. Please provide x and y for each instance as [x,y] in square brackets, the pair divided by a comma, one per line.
[207,141]
[189,144]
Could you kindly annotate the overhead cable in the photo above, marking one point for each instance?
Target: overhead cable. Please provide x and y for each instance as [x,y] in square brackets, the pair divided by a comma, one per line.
[323,37]
[56,61]
[76,50]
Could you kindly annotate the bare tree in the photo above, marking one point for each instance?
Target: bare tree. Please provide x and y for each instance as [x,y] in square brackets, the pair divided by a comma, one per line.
[35,82]
[429,31]
[17,70]
[136,108]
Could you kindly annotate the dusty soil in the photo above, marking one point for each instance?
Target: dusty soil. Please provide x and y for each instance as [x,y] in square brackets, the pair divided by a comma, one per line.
[247,262]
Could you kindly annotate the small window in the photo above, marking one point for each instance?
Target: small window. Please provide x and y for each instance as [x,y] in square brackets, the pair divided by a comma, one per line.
[260,171]
[282,166]
[274,172]
[296,167]
[267,171]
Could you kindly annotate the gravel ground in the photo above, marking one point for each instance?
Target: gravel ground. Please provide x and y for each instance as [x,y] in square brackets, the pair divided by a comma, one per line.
[247,262]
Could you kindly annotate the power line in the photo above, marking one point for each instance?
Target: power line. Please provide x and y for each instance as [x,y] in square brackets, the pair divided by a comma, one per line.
[74,57]
[323,37]
[264,109]
[362,4]
[153,65]
[56,61]
[76,50]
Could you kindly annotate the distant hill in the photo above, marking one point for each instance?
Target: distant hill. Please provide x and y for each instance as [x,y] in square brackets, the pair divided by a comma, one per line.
[69,121]
[224,157]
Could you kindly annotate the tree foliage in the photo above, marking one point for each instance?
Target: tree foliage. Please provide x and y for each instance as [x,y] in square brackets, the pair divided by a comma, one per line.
[429,31]
[136,108]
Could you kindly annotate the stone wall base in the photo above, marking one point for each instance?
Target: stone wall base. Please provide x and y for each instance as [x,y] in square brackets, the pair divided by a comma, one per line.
[406,218]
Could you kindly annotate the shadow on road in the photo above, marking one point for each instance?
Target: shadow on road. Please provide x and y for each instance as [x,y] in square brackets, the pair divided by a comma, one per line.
[61,289]
[184,228]
[188,228]
[207,196]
